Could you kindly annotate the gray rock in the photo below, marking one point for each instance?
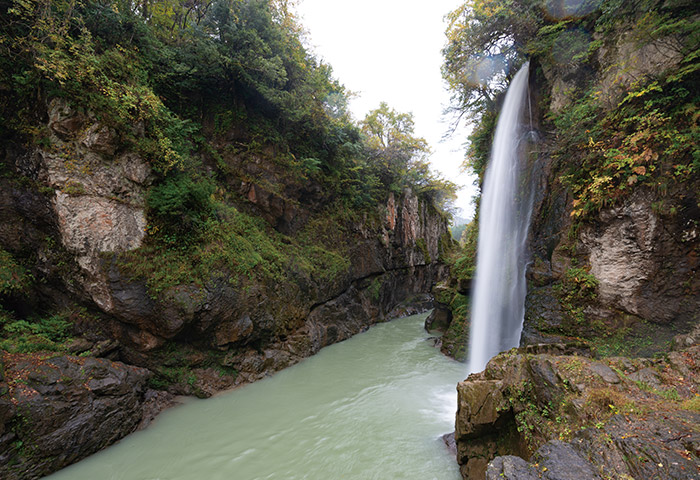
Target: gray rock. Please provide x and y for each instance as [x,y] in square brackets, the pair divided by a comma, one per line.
[563,462]
[449,441]
[510,467]
[438,320]
[604,372]
[70,408]
[100,138]
[647,375]
[63,120]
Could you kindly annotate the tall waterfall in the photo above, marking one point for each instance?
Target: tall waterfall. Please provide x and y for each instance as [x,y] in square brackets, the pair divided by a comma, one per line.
[499,292]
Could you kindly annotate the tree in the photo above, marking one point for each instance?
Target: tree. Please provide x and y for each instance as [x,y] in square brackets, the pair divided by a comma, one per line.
[402,158]
[390,138]
[485,44]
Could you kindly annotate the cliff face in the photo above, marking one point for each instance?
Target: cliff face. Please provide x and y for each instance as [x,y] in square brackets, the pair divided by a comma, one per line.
[614,245]
[80,215]
[639,247]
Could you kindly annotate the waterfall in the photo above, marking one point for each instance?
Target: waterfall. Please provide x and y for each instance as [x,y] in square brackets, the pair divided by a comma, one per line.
[498,300]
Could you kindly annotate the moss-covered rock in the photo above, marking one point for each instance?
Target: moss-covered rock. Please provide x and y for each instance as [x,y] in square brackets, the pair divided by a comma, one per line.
[558,408]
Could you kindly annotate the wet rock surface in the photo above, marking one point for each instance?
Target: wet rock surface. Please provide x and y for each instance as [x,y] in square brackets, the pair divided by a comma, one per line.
[551,414]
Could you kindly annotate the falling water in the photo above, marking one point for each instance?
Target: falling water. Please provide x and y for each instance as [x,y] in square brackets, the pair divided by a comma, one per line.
[504,217]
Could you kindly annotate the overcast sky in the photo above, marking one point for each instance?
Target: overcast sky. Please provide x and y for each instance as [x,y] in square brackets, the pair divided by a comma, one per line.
[389,50]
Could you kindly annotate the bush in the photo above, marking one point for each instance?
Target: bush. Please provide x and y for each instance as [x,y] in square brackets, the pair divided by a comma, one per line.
[32,335]
[13,276]
[180,198]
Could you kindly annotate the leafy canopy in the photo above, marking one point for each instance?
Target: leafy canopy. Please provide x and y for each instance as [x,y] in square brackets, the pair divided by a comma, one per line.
[401,157]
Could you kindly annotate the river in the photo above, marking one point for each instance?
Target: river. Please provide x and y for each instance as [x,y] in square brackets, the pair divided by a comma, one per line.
[371,407]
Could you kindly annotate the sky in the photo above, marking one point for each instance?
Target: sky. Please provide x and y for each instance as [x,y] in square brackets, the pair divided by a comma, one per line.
[390,50]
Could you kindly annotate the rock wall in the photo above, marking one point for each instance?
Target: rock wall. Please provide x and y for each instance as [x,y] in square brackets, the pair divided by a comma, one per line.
[57,411]
[93,198]
[643,249]
[624,279]
[83,202]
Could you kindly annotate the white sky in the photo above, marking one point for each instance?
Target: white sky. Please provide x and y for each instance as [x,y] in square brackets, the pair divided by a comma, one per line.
[389,50]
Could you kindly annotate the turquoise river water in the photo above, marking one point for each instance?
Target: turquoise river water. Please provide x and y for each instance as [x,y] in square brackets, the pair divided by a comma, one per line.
[371,407]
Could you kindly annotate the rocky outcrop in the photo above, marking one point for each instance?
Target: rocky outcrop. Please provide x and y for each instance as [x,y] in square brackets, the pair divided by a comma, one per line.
[554,412]
[628,251]
[56,411]
[99,195]
[96,190]
[619,274]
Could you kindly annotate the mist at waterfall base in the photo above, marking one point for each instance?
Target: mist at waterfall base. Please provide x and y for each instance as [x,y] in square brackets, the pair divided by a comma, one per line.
[498,296]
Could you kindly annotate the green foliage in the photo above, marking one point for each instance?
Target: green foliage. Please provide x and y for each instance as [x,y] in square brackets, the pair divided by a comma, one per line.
[580,284]
[649,139]
[34,334]
[237,248]
[156,72]
[692,404]
[375,289]
[199,88]
[13,276]
[464,264]
[575,291]
[423,247]
[400,159]
[630,337]
[182,199]
[485,40]
[456,338]
[480,140]
[457,230]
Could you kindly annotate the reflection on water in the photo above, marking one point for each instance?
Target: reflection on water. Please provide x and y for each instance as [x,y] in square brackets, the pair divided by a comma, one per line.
[372,407]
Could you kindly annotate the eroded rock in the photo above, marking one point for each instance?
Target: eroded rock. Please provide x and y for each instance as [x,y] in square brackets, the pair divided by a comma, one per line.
[64,409]
[570,416]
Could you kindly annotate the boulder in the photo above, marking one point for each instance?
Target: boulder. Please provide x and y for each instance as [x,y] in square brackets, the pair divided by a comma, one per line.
[439,319]
[64,409]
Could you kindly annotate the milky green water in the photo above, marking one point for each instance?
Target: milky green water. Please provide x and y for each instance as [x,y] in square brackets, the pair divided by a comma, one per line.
[371,407]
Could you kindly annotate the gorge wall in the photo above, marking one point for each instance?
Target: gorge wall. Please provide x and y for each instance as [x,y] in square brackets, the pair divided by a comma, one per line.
[614,267]
[80,209]
[186,205]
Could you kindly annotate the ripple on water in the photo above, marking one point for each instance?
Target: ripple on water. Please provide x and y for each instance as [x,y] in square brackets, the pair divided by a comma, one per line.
[372,407]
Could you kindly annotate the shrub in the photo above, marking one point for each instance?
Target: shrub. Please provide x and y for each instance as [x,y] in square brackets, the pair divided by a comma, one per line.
[180,198]
[13,276]
[32,335]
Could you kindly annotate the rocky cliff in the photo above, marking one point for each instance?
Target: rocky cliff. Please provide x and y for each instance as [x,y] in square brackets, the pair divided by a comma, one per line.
[614,263]
[80,208]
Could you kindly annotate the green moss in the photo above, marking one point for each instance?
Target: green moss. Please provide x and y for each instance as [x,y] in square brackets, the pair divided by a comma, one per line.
[456,338]
[238,248]
[375,289]
[423,247]
[692,404]
[648,140]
